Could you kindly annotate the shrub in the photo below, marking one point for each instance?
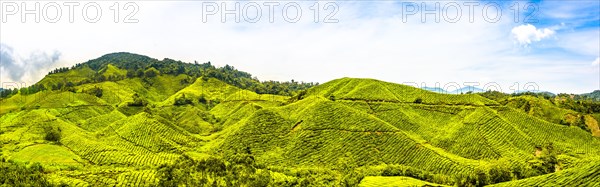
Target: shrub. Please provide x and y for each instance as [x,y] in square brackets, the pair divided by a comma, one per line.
[202,99]
[182,100]
[499,173]
[298,96]
[352,179]
[546,162]
[53,134]
[151,72]
[237,170]
[137,101]
[16,174]
[581,123]
[94,91]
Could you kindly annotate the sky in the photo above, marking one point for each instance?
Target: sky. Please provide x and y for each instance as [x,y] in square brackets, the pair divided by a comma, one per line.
[499,45]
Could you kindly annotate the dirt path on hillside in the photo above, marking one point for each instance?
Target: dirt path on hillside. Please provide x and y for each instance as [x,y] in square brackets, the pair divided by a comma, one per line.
[592,123]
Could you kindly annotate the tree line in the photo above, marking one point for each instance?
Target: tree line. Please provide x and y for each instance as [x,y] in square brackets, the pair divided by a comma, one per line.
[579,103]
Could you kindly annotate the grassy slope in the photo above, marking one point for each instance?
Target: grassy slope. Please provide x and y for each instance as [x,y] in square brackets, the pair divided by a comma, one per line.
[215,90]
[375,90]
[74,76]
[548,111]
[111,70]
[394,181]
[48,154]
[540,108]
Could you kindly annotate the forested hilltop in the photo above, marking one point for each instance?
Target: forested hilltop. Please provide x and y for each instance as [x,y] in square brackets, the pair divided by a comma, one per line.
[119,66]
[130,120]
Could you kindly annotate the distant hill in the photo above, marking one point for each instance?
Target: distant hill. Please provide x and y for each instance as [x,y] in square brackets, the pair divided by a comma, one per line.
[473,89]
[538,92]
[129,120]
[463,90]
[435,89]
[550,94]
[595,95]
[467,89]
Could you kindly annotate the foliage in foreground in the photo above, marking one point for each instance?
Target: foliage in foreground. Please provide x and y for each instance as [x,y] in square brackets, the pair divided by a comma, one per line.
[18,174]
[237,171]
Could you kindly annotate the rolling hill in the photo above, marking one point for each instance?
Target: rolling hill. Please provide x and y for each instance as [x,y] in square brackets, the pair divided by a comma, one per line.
[129,120]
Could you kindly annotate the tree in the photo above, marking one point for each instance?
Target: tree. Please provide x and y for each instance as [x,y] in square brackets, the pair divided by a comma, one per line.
[202,99]
[352,178]
[69,84]
[546,161]
[182,100]
[59,86]
[94,91]
[580,122]
[53,134]
[139,73]
[130,74]
[151,72]
[137,101]
[100,78]
[500,172]
[527,107]
[180,69]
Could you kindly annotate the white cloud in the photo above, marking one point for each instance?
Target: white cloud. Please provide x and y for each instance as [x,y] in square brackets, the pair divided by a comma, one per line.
[526,34]
[14,67]
[596,62]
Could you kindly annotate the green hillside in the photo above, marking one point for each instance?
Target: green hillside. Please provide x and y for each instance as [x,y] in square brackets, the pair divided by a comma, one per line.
[130,120]
[380,181]
[375,90]
[586,175]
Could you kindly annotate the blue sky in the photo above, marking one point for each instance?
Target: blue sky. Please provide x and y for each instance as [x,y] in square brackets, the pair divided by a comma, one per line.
[557,49]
